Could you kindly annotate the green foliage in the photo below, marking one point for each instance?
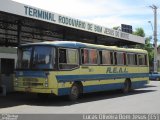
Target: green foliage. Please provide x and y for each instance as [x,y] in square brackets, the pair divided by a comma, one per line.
[148,46]
[116,28]
[139,32]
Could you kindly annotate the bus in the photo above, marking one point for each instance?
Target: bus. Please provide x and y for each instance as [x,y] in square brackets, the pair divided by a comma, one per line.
[72,68]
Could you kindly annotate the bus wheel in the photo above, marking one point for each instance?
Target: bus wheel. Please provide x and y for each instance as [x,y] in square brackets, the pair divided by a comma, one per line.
[127,86]
[74,92]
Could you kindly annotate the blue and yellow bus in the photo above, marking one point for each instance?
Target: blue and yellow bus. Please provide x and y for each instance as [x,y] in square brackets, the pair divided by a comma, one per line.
[72,68]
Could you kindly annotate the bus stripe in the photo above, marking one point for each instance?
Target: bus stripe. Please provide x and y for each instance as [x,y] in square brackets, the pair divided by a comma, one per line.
[96,88]
[71,78]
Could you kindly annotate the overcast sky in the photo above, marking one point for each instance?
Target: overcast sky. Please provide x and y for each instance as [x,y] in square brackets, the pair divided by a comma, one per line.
[108,13]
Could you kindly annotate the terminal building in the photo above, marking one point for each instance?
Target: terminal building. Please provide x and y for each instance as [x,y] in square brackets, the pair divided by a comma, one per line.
[20,23]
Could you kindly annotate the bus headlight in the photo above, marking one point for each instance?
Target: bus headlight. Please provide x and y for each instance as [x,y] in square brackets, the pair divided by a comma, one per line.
[46,82]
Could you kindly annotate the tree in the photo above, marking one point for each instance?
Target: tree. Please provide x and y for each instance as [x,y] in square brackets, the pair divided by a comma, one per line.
[149,47]
[116,28]
[139,32]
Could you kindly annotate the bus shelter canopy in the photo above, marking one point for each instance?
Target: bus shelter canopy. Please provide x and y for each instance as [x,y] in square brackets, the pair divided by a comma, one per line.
[21,23]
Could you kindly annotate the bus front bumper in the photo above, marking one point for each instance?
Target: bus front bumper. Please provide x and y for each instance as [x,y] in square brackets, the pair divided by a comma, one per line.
[36,90]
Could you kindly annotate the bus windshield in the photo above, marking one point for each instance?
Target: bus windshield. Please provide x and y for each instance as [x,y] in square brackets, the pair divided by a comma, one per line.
[36,57]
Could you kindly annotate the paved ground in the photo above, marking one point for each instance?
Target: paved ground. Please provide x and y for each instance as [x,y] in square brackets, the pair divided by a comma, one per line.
[145,100]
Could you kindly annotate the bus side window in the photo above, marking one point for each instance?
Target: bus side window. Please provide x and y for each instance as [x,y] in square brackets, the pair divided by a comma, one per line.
[85,56]
[106,57]
[142,59]
[93,57]
[120,58]
[68,59]
[89,56]
[131,59]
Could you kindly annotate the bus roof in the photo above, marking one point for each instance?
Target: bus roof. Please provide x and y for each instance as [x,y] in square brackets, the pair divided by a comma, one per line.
[73,44]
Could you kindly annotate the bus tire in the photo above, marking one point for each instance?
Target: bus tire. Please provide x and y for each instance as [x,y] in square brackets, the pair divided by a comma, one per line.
[127,86]
[74,92]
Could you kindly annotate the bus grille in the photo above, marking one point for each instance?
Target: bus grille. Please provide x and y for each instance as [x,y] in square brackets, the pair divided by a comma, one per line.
[32,84]
[30,80]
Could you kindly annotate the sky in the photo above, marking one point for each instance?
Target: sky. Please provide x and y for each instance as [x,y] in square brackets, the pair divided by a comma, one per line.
[108,13]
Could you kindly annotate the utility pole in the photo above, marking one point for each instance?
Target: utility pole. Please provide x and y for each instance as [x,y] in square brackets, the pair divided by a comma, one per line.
[155,36]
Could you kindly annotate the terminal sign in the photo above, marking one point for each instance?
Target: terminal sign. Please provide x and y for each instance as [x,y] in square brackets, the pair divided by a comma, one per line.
[71,22]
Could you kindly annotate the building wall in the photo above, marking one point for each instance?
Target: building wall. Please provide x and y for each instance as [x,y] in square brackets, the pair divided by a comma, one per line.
[9,56]
[7,79]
